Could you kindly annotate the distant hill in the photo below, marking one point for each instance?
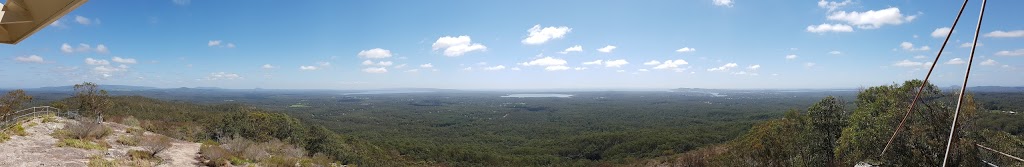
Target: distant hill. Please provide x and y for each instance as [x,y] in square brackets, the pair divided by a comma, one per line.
[995,89]
[104,87]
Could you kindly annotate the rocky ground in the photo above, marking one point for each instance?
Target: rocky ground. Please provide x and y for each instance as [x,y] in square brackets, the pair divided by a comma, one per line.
[39,148]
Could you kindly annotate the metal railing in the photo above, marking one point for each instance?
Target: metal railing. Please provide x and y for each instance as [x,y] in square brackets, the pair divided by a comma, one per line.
[16,117]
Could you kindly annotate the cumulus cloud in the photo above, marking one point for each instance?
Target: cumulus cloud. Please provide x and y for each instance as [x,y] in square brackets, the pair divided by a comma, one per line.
[540,35]
[102,49]
[494,68]
[754,67]
[308,68]
[940,32]
[223,76]
[555,68]
[546,61]
[66,48]
[825,27]
[809,64]
[1006,34]
[607,49]
[908,63]
[652,62]
[428,65]
[576,48]
[457,46]
[1018,52]
[96,62]
[595,62]
[907,46]
[669,64]
[872,18]
[268,66]
[726,3]
[385,63]
[124,60]
[956,61]
[832,5]
[615,63]
[969,44]
[725,67]
[580,68]
[375,53]
[989,62]
[29,59]
[790,57]
[85,20]
[685,49]
[375,70]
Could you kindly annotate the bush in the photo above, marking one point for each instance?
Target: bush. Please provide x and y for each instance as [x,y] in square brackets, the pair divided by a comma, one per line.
[4,137]
[135,131]
[98,161]
[140,155]
[131,121]
[156,144]
[129,140]
[18,130]
[87,130]
[214,155]
[78,143]
[49,118]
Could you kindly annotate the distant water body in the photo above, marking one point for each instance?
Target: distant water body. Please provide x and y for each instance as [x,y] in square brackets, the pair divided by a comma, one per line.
[538,95]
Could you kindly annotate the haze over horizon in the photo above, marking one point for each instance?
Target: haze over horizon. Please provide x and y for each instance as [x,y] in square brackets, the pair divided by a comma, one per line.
[516,45]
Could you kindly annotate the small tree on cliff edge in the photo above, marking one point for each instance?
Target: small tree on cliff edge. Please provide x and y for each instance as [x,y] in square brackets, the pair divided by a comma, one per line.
[91,99]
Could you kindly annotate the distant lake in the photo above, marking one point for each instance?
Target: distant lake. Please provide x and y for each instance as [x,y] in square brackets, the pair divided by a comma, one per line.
[374,92]
[538,95]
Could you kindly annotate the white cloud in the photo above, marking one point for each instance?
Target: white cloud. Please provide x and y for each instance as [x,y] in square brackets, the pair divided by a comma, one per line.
[809,64]
[940,32]
[515,68]
[385,63]
[595,62]
[642,70]
[95,62]
[85,20]
[989,62]
[790,57]
[969,44]
[726,3]
[607,49]
[375,53]
[181,2]
[580,68]
[495,68]
[540,35]
[223,76]
[546,61]
[268,66]
[576,48]
[908,63]
[754,67]
[467,69]
[368,62]
[1018,52]
[873,18]
[615,63]
[66,48]
[124,60]
[825,27]
[919,57]
[725,67]
[107,71]
[457,46]
[1006,34]
[956,61]
[213,43]
[308,68]
[835,52]
[102,49]
[670,64]
[910,47]
[685,49]
[29,59]
[832,5]
[59,23]
[375,70]
[652,62]
[428,65]
[556,68]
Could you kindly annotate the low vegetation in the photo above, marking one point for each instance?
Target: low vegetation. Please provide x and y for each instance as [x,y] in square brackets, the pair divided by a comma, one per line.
[79,143]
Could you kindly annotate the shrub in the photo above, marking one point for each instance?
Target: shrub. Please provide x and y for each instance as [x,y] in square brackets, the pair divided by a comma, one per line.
[98,161]
[156,144]
[87,130]
[140,154]
[130,121]
[129,140]
[78,143]
[214,155]
[4,137]
[135,131]
[18,130]
[49,118]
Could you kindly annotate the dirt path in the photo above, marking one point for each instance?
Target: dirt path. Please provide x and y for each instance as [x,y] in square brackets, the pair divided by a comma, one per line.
[180,154]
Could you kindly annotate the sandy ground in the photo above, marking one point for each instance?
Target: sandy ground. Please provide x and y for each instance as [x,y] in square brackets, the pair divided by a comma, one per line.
[38,148]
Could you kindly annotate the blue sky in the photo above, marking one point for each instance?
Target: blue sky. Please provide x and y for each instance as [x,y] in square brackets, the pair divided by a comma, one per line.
[516,45]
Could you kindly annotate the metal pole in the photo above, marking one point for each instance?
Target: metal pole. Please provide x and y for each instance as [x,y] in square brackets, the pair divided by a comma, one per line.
[963,88]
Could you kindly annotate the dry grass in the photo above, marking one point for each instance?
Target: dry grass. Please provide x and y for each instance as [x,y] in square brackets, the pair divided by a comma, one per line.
[129,140]
[78,143]
[156,144]
[89,131]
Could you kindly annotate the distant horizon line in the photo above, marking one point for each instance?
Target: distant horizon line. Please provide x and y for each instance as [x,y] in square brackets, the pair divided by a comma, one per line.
[488,89]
